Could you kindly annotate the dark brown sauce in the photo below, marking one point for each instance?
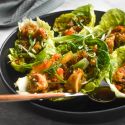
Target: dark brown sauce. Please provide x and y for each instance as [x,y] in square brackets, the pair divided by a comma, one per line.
[102,94]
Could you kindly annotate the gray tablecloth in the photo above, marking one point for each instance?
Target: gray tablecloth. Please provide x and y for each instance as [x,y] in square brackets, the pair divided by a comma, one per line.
[11,11]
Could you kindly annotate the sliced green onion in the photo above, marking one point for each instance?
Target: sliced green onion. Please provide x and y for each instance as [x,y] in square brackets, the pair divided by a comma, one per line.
[82,64]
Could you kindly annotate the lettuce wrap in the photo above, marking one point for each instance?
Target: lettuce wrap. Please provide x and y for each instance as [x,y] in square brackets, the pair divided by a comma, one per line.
[115,78]
[74,22]
[32,45]
[109,20]
[111,29]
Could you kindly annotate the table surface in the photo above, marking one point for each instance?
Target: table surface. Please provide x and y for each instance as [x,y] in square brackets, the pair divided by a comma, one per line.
[19,113]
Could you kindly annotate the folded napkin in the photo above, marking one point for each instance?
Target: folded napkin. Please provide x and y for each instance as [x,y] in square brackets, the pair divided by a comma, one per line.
[12,11]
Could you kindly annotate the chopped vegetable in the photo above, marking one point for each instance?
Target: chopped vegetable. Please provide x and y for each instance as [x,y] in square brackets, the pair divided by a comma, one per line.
[74,81]
[82,64]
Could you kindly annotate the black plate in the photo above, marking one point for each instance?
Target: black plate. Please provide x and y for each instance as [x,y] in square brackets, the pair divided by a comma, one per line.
[80,109]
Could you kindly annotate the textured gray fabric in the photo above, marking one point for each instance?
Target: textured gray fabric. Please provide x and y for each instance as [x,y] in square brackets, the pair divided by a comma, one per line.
[11,11]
